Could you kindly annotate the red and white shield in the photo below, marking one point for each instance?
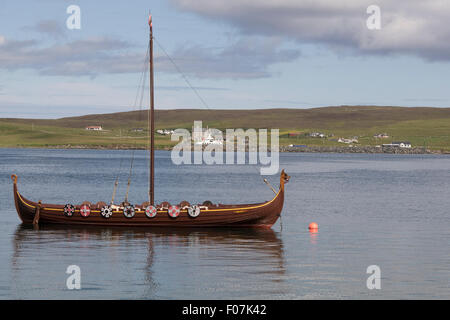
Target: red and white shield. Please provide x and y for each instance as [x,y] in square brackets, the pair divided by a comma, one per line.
[85,210]
[151,211]
[174,211]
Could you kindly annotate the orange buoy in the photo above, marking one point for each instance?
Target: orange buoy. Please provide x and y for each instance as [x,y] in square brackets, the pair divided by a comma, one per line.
[313,226]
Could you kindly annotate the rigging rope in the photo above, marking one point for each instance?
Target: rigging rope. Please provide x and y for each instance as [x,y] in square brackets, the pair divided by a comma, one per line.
[182,74]
[141,90]
[116,183]
[187,81]
[129,177]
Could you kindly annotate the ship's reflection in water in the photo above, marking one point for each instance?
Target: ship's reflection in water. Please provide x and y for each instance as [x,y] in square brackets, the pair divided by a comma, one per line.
[147,263]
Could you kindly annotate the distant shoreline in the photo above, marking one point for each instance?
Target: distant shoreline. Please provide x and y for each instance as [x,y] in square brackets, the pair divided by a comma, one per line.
[283,149]
[364,127]
[362,149]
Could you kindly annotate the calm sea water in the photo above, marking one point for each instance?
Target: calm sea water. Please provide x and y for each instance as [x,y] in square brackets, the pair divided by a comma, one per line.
[392,211]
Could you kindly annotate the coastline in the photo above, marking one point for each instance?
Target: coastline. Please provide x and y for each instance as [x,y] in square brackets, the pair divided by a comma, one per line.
[427,129]
[362,149]
[283,149]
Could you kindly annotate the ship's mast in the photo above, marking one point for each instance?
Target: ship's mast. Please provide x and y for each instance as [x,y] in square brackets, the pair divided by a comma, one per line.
[151,119]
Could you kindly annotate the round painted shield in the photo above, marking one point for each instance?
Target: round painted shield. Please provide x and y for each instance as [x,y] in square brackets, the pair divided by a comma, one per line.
[69,210]
[85,210]
[128,211]
[106,212]
[174,211]
[194,211]
[151,211]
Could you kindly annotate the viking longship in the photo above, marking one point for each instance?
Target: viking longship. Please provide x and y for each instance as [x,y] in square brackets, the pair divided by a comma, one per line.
[149,214]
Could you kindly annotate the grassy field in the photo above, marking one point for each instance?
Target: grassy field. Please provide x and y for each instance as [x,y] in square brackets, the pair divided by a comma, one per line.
[428,127]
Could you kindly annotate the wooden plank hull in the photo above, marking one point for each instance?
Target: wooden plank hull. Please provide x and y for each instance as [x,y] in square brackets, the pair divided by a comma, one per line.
[247,215]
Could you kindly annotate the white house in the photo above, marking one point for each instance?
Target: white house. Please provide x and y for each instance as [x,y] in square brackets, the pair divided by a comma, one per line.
[398,144]
[343,140]
[403,144]
[94,128]
[165,132]
[317,135]
[207,137]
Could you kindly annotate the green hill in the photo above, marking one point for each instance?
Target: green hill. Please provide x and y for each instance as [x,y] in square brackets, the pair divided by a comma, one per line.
[420,126]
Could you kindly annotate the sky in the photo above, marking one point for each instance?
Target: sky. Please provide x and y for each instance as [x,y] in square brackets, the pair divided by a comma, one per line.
[235,54]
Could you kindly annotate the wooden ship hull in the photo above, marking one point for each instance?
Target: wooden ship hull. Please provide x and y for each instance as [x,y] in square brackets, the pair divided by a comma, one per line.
[262,215]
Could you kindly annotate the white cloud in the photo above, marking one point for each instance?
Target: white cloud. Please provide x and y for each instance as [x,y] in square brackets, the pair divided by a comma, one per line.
[245,58]
[413,27]
[90,57]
